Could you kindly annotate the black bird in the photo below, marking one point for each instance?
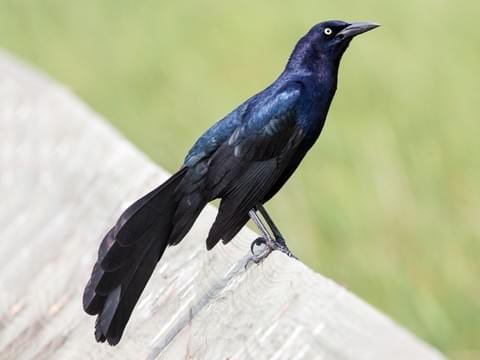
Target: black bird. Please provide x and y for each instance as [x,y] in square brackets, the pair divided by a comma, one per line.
[244,159]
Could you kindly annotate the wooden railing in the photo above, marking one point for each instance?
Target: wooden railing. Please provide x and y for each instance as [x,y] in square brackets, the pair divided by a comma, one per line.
[65,175]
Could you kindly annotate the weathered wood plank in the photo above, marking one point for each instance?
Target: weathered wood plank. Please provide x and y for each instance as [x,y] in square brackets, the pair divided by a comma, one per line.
[65,175]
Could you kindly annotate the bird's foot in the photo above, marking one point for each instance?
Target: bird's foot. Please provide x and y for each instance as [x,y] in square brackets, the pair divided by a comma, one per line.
[284,249]
[281,245]
[262,247]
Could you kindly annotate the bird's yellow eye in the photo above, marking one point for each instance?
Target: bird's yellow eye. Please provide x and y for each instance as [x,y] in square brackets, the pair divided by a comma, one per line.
[327,31]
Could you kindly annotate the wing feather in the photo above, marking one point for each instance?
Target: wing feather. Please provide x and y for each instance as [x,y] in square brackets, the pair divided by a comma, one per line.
[248,164]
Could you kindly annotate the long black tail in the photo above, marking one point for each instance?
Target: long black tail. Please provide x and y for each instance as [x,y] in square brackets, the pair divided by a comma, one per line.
[129,252]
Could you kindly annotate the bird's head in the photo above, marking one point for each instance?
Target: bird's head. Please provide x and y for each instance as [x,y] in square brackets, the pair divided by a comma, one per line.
[326,42]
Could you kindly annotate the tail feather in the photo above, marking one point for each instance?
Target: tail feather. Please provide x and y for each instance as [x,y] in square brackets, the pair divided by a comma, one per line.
[117,257]
[188,209]
[130,251]
[145,212]
[93,302]
[121,301]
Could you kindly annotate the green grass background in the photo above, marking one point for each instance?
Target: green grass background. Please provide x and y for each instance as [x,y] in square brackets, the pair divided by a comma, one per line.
[387,203]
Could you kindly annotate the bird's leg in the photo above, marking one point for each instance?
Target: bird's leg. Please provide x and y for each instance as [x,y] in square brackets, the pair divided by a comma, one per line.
[275,242]
[266,239]
[278,237]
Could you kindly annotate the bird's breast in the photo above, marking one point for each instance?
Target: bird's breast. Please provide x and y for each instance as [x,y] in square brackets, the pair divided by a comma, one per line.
[316,102]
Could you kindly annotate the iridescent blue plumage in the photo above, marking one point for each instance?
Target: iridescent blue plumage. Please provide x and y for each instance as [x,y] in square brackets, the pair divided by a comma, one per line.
[244,159]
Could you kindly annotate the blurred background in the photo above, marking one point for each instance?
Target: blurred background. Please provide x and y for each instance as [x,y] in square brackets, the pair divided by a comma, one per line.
[387,203]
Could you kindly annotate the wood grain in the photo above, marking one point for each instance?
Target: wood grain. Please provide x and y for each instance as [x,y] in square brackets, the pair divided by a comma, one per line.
[65,176]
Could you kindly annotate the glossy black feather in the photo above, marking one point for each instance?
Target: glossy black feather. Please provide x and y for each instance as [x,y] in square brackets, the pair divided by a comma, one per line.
[244,159]
[127,257]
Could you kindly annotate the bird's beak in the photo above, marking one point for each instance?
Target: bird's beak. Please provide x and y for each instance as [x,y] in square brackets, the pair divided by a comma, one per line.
[356,28]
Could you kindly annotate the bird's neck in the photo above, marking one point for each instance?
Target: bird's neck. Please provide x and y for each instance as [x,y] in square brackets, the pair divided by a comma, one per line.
[320,75]
[321,70]
[308,58]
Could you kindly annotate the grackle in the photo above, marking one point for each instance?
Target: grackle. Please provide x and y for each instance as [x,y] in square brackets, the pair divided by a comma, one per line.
[244,160]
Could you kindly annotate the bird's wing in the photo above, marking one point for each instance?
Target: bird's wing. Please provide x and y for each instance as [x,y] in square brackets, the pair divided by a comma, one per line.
[244,167]
[262,128]
[260,117]
[215,136]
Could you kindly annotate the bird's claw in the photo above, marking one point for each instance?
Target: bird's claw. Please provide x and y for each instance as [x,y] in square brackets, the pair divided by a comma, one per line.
[257,242]
[281,245]
[284,249]
[257,257]
[268,246]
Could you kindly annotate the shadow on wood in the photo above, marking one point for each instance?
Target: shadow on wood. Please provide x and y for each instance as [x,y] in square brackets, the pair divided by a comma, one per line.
[65,176]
